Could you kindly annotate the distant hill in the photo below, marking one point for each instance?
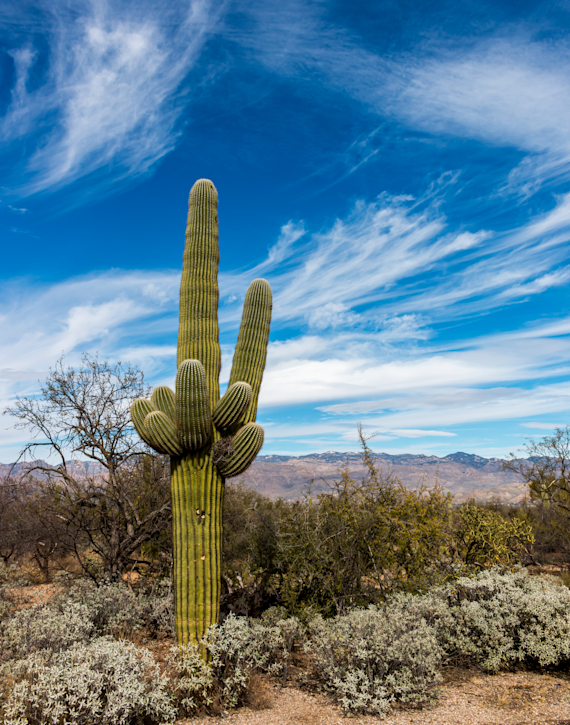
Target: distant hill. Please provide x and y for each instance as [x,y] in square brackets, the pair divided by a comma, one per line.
[86,468]
[465,475]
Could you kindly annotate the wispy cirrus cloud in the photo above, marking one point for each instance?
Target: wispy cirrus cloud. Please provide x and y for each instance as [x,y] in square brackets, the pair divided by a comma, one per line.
[110,94]
[108,312]
[510,89]
[396,261]
[381,281]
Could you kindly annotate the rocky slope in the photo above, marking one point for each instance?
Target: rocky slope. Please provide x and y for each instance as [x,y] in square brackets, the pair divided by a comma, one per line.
[463,474]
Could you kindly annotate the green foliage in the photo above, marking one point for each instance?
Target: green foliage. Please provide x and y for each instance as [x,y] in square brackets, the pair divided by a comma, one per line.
[208,439]
[250,561]
[361,541]
[485,538]
[545,469]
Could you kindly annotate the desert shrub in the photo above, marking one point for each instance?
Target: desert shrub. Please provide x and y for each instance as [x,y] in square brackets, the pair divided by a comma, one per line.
[11,579]
[102,683]
[498,618]
[113,608]
[372,657]
[484,538]
[292,632]
[83,612]
[250,550]
[361,541]
[45,627]
[238,648]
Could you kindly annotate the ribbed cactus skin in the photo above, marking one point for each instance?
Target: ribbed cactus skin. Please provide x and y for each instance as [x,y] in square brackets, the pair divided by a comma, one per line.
[251,349]
[247,443]
[163,399]
[161,428]
[192,405]
[140,408]
[198,332]
[197,498]
[188,423]
[232,406]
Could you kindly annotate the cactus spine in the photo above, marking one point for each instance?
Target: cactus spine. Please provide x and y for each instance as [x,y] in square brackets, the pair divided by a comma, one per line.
[208,438]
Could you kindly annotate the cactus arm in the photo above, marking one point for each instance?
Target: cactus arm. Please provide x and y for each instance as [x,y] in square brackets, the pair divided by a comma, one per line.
[247,443]
[251,349]
[163,399]
[192,405]
[140,408]
[232,405]
[181,423]
[198,334]
[163,431]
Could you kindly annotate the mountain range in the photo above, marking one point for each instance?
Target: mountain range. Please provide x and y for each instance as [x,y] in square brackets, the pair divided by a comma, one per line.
[464,475]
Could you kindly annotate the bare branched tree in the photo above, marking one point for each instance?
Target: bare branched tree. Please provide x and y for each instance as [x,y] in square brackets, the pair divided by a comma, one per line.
[117,497]
[545,467]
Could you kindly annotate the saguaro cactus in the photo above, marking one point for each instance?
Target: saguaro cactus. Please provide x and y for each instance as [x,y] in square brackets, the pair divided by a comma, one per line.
[208,438]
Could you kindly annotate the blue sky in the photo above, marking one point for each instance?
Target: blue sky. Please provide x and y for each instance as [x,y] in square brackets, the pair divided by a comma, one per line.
[398,171]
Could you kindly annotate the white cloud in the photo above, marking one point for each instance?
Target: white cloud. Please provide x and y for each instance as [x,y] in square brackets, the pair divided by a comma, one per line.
[370,290]
[394,260]
[105,312]
[508,90]
[112,95]
[544,426]
[348,366]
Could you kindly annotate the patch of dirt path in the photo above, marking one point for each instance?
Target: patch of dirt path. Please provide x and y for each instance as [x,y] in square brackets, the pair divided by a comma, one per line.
[467,698]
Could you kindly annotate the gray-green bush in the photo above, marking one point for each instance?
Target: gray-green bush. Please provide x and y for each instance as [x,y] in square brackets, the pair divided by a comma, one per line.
[83,612]
[105,682]
[57,665]
[114,608]
[369,660]
[237,648]
[47,628]
[497,619]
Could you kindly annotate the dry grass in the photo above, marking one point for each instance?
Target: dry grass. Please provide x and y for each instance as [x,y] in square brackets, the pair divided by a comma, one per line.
[260,694]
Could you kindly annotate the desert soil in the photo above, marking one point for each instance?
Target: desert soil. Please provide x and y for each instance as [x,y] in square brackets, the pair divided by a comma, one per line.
[467,698]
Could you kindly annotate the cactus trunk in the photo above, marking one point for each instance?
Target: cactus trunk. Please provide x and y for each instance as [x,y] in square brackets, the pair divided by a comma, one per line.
[208,439]
[197,493]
